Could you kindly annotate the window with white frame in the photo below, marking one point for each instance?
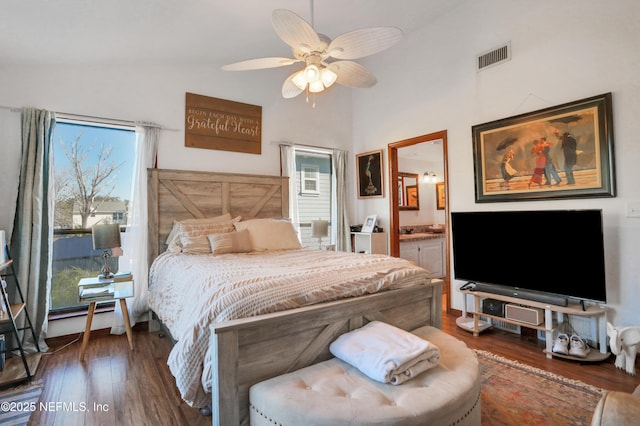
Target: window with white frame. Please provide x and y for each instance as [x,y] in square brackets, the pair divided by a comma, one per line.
[93,169]
[310,177]
[315,189]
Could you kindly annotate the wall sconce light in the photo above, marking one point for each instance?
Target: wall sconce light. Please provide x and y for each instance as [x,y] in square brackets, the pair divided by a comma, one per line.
[430,177]
[107,238]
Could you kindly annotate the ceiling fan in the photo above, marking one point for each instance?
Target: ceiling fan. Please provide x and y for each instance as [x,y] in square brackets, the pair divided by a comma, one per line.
[325,61]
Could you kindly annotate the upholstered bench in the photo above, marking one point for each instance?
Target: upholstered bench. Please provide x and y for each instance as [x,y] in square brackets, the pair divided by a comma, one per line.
[335,393]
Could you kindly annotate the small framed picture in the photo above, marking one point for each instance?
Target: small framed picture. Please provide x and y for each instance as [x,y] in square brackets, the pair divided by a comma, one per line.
[440,196]
[369,223]
[369,174]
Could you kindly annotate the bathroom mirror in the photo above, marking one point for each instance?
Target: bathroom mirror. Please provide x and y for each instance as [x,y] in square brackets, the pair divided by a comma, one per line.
[408,194]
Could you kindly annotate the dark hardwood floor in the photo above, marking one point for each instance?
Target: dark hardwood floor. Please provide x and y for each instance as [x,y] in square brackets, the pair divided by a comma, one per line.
[117,386]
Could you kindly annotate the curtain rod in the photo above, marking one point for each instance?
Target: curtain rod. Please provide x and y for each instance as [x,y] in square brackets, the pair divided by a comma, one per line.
[302,146]
[94,119]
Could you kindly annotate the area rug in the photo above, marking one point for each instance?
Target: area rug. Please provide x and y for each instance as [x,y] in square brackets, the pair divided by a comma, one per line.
[517,394]
[17,404]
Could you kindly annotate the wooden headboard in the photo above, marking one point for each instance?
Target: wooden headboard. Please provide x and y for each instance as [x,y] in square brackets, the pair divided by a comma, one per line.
[175,195]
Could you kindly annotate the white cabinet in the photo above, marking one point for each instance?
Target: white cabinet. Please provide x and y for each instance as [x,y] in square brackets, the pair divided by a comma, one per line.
[371,243]
[428,254]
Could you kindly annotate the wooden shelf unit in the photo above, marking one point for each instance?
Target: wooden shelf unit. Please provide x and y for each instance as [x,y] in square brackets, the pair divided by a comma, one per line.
[549,325]
[14,371]
[22,368]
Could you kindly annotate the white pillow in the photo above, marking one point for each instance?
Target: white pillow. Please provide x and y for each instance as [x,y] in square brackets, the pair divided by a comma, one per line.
[270,234]
[173,239]
[230,242]
[194,237]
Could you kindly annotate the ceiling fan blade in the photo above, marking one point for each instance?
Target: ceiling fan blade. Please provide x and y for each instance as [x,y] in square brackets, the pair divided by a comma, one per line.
[290,90]
[260,63]
[352,74]
[363,42]
[295,31]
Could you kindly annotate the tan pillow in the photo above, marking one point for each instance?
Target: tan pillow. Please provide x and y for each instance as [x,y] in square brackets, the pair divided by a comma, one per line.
[230,242]
[193,237]
[173,239]
[270,234]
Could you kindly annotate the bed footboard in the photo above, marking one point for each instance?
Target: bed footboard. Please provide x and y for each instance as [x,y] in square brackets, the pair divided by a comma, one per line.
[250,350]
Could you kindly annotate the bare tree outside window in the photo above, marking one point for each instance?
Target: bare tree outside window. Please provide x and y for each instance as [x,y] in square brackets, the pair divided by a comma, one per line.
[85,185]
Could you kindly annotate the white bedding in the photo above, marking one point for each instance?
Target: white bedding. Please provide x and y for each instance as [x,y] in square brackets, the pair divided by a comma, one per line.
[188,292]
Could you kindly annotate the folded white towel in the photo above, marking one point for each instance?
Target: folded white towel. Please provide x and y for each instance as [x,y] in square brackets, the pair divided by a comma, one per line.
[386,353]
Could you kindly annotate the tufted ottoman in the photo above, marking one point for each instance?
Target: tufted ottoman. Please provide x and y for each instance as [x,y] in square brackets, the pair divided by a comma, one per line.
[335,393]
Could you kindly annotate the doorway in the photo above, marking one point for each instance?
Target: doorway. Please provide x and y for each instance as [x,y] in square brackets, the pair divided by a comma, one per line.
[395,151]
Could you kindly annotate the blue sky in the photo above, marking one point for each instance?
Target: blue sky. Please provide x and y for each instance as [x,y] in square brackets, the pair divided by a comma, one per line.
[123,142]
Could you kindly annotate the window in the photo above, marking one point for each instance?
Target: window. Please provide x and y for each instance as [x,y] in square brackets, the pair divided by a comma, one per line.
[310,178]
[314,181]
[93,168]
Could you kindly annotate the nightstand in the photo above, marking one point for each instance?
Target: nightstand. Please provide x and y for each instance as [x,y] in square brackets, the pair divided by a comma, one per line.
[94,290]
[370,242]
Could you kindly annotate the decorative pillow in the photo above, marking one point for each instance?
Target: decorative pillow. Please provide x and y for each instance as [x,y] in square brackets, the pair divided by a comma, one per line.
[230,242]
[173,239]
[193,237]
[270,234]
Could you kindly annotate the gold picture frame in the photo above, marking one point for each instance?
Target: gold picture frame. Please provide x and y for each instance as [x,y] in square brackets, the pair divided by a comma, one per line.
[440,196]
[565,151]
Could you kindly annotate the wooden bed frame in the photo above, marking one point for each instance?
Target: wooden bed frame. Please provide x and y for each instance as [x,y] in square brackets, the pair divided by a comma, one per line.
[247,351]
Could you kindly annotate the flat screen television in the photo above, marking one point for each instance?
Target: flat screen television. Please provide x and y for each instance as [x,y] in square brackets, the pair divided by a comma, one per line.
[546,255]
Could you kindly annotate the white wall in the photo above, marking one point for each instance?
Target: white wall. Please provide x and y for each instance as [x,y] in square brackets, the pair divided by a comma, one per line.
[562,51]
[9,168]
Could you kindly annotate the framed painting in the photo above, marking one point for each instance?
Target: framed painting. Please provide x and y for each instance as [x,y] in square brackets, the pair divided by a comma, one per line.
[565,151]
[369,174]
[440,197]
[412,196]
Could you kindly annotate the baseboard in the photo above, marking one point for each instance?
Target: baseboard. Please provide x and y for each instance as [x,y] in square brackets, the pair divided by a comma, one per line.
[102,332]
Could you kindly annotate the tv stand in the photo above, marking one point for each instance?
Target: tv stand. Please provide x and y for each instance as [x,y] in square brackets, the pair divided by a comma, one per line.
[597,313]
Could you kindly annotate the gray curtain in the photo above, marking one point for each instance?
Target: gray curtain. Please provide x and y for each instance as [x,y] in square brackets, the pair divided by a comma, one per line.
[31,240]
[343,229]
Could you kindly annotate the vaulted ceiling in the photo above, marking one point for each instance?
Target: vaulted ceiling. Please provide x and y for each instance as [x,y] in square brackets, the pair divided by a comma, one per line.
[157,32]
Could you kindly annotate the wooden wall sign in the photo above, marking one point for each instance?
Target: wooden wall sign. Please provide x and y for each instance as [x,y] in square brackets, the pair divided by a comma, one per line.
[224,125]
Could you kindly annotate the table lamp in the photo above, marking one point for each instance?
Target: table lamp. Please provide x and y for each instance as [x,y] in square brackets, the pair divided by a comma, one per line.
[107,238]
[319,229]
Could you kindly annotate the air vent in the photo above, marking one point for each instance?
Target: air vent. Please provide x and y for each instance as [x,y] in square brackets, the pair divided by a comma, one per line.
[494,57]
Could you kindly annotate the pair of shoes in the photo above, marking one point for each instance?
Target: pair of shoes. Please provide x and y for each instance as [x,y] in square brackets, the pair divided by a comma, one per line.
[578,346]
[561,345]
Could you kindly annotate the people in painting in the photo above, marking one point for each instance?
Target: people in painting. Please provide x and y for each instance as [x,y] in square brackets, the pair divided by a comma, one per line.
[538,172]
[550,172]
[507,170]
[371,188]
[569,146]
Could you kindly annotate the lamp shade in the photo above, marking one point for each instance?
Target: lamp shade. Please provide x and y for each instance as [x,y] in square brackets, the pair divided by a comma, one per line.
[105,236]
[319,228]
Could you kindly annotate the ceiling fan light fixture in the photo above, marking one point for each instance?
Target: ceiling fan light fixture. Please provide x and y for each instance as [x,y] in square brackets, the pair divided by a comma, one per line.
[299,80]
[316,86]
[326,61]
[328,77]
[312,73]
